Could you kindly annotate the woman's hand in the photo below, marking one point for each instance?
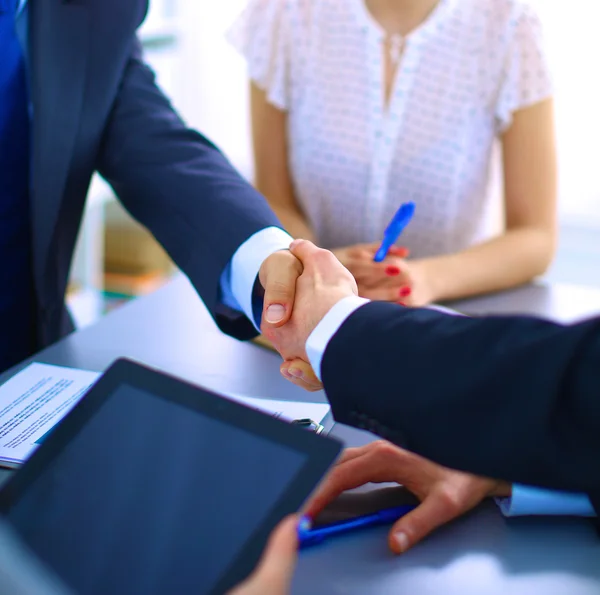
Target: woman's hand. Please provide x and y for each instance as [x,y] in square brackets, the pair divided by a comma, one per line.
[445,494]
[414,285]
[393,280]
[274,572]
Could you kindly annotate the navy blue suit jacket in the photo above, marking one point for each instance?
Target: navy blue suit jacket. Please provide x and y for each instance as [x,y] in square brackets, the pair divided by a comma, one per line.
[515,398]
[96,107]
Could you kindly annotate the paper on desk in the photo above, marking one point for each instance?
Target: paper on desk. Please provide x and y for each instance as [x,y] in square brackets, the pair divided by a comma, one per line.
[32,402]
[287,410]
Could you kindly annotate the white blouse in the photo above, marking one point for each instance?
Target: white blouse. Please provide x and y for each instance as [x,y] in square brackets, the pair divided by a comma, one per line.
[353,161]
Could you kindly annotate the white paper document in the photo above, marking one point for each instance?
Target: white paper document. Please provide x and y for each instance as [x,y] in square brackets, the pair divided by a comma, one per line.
[32,402]
[287,410]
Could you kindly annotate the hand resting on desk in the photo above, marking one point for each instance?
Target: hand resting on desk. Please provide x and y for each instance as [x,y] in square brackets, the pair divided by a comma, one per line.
[390,280]
[445,494]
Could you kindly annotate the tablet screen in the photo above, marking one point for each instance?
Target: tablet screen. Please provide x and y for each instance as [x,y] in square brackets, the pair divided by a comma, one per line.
[151,497]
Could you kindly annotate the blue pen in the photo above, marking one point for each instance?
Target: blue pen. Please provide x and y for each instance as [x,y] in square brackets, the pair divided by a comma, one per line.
[308,536]
[392,232]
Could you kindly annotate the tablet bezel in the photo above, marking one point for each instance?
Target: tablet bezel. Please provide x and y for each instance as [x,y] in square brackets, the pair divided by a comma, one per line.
[321,452]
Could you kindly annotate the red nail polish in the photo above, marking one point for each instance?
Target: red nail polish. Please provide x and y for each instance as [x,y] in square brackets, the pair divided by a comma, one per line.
[392,271]
[399,251]
[405,292]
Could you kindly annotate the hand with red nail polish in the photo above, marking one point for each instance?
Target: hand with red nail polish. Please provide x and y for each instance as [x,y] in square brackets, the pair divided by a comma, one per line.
[413,287]
[396,279]
[379,281]
[399,251]
[407,282]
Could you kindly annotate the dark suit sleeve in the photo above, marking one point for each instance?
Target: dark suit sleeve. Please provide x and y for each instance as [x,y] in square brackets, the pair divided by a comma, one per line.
[513,398]
[179,185]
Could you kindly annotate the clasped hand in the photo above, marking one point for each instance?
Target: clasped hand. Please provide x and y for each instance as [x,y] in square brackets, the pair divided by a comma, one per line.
[321,285]
[308,282]
[395,279]
[313,282]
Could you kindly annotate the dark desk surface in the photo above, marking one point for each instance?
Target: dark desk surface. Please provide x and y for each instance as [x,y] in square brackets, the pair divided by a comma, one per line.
[481,554]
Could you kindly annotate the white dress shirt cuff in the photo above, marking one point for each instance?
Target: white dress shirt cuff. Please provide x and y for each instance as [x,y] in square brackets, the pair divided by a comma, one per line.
[239,277]
[527,500]
[319,339]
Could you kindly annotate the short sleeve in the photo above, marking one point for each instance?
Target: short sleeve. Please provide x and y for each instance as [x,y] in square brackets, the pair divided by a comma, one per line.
[262,35]
[526,79]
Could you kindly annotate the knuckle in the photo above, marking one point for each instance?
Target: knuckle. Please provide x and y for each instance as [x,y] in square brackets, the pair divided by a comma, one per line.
[319,257]
[378,445]
[283,260]
[385,449]
[450,498]
[324,257]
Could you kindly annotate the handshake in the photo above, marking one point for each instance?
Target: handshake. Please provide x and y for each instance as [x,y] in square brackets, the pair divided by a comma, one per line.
[301,287]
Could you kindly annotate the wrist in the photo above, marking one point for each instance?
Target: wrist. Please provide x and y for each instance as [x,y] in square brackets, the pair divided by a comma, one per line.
[323,331]
[433,273]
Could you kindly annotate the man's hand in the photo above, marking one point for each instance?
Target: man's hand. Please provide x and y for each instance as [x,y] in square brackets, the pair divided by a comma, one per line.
[445,494]
[322,284]
[278,275]
[274,573]
[301,374]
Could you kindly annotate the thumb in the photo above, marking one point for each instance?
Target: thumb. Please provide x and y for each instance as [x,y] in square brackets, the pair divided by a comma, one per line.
[278,277]
[417,524]
[276,567]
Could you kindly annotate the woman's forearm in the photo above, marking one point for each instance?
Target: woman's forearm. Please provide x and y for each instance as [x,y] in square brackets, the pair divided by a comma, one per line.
[514,258]
[294,222]
[271,161]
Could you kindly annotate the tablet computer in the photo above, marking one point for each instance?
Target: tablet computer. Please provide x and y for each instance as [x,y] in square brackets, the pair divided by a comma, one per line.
[155,486]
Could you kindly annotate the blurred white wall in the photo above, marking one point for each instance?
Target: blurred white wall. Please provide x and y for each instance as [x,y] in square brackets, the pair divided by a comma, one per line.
[214,87]
[573,44]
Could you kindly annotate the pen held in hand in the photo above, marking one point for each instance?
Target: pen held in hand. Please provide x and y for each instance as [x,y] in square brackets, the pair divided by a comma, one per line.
[396,226]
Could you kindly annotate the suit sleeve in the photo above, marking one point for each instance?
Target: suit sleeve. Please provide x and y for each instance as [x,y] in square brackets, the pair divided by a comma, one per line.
[181,187]
[507,397]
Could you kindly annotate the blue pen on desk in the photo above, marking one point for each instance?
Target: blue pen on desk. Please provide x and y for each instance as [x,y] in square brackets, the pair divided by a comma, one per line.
[308,536]
[396,226]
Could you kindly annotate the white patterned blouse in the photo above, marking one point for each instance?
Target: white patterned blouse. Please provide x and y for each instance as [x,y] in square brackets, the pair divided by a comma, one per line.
[461,76]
